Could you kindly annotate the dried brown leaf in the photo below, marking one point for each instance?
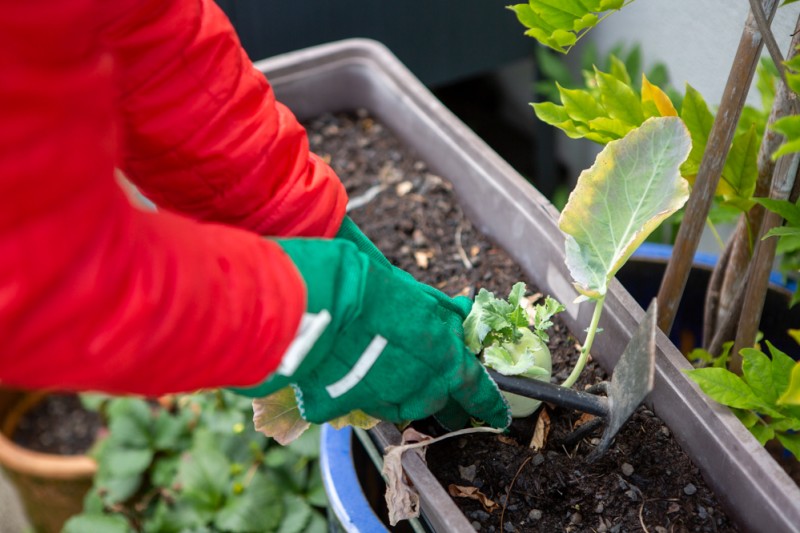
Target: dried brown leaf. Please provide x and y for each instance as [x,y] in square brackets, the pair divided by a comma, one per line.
[472,493]
[584,418]
[278,416]
[540,433]
[402,498]
[507,440]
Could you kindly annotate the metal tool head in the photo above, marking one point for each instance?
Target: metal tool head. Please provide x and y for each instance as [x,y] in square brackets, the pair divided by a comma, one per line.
[631,381]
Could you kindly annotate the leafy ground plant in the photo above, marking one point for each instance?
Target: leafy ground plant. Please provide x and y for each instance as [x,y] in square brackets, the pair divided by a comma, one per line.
[195,463]
[766,397]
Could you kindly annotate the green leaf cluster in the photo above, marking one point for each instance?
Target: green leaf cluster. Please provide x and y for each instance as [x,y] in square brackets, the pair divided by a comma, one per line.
[495,321]
[766,398]
[198,465]
[611,104]
[554,72]
[559,24]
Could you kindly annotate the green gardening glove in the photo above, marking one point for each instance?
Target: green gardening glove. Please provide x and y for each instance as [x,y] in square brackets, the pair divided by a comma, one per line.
[376,341]
[351,232]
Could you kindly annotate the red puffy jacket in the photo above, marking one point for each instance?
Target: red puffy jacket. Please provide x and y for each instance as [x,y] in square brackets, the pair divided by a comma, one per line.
[98,295]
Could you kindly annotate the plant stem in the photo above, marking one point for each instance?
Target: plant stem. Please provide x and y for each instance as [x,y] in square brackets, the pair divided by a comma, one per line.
[424,443]
[598,310]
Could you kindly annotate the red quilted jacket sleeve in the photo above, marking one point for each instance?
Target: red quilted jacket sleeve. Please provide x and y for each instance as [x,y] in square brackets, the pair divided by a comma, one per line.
[202,131]
[95,294]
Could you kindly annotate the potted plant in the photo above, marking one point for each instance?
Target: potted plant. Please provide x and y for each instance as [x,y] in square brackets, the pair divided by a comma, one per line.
[193,462]
[358,74]
[43,478]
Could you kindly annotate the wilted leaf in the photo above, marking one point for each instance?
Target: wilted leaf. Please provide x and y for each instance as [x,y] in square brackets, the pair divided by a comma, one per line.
[278,416]
[356,418]
[541,431]
[583,419]
[472,493]
[402,499]
[652,93]
[632,187]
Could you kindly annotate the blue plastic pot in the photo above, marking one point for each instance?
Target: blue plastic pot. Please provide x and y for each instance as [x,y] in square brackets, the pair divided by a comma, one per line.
[350,509]
[642,274]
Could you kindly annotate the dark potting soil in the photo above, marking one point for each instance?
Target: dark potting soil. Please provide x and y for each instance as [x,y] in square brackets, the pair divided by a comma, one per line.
[59,425]
[643,483]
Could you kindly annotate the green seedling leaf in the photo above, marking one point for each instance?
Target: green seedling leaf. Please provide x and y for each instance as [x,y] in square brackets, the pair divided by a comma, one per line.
[492,319]
[757,372]
[790,128]
[791,441]
[740,173]
[633,185]
[782,366]
[786,209]
[278,416]
[541,315]
[699,120]
[762,433]
[619,99]
[791,395]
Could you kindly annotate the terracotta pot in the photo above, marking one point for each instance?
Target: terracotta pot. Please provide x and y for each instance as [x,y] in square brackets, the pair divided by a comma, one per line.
[51,487]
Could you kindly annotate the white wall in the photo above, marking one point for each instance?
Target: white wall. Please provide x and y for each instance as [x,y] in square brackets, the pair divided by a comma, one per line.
[697,39]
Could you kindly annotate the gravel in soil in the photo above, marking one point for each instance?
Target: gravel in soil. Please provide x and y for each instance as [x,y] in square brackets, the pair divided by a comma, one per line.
[59,425]
[644,482]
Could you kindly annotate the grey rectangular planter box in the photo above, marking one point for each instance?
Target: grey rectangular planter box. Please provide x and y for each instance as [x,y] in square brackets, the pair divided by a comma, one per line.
[353,74]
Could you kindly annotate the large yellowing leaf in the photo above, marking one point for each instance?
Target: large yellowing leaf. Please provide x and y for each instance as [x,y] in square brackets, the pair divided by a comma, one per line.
[632,187]
[278,416]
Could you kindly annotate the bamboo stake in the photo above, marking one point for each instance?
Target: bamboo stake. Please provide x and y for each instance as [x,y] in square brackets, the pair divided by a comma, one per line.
[708,175]
[763,257]
[721,320]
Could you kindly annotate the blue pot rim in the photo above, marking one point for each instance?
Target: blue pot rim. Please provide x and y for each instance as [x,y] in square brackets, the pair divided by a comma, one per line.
[345,495]
[662,252]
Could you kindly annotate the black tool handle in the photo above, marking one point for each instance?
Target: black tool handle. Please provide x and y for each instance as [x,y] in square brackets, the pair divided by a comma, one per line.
[547,392]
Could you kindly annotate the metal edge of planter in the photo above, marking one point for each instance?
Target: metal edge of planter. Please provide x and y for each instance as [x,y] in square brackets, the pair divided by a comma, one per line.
[359,73]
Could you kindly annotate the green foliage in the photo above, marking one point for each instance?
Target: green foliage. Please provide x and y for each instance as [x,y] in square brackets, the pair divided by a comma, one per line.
[761,397]
[559,24]
[197,464]
[788,235]
[555,73]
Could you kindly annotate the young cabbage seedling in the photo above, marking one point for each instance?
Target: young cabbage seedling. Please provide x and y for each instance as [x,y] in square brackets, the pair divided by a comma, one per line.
[499,330]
